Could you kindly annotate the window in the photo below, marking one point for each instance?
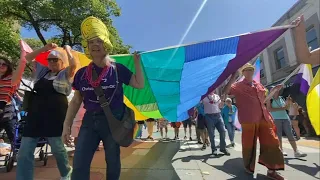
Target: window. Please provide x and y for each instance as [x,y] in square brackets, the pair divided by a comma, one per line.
[312,39]
[280,59]
[262,75]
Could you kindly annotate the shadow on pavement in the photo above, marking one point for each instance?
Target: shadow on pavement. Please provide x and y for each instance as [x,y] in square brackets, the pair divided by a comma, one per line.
[312,171]
[156,164]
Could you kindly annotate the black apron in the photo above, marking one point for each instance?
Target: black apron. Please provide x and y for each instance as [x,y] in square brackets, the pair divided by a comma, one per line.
[47,112]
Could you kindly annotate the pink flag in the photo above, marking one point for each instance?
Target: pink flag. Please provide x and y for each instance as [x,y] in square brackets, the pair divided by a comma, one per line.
[24,49]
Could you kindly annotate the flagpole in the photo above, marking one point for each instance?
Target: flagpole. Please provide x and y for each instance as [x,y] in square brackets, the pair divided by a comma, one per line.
[282,83]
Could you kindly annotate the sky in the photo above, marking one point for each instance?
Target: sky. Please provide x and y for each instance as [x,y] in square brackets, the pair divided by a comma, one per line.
[152,24]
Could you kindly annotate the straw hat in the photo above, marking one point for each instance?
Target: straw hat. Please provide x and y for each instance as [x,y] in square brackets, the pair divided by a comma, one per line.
[247,66]
[91,28]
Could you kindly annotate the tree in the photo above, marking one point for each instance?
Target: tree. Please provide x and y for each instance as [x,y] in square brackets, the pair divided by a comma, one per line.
[9,43]
[41,15]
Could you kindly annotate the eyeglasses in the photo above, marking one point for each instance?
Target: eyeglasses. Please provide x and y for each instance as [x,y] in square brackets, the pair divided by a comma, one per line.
[53,60]
[3,65]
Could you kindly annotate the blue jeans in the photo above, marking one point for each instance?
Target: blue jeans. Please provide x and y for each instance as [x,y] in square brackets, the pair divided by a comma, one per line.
[215,121]
[230,129]
[26,157]
[95,128]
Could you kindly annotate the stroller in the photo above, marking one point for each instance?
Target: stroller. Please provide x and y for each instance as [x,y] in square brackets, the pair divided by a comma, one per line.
[15,145]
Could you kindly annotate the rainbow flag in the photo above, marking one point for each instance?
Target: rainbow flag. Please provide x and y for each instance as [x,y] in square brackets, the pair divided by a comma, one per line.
[177,78]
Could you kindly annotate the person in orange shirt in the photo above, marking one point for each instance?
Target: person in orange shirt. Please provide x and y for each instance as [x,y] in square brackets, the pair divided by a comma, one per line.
[256,122]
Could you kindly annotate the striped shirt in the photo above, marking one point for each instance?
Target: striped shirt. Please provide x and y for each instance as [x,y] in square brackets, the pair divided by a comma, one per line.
[6,89]
[61,81]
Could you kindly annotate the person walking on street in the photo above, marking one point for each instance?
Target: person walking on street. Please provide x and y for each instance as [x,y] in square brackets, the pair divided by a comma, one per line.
[150,124]
[256,122]
[187,123]
[228,114]
[277,106]
[214,121]
[95,126]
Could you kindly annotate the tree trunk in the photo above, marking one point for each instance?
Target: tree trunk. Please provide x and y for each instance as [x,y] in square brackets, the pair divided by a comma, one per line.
[38,31]
[36,27]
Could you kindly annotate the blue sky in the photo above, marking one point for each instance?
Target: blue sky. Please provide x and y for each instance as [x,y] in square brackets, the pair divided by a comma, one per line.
[153,24]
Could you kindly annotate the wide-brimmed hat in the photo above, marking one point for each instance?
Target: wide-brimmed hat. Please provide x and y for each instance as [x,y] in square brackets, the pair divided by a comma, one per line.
[92,28]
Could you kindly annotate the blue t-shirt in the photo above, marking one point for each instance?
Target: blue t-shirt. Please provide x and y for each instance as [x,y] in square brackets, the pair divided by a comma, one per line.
[200,109]
[108,84]
[278,103]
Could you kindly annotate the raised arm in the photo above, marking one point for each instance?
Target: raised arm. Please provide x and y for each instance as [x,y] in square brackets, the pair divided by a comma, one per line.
[302,50]
[137,79]
[17,74]
[72,62]
[227,88]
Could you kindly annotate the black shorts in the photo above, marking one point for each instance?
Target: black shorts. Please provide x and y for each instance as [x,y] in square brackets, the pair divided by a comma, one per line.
[187,123]
[201,123]
[140,122]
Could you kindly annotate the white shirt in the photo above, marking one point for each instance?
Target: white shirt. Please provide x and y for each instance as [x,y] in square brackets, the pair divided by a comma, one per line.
[214,107]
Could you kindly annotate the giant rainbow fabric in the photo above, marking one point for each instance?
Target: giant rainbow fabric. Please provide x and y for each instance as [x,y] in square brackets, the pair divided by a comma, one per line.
[177,78]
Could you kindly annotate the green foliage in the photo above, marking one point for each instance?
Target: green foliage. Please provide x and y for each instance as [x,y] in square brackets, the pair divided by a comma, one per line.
[66,16]
[9,41]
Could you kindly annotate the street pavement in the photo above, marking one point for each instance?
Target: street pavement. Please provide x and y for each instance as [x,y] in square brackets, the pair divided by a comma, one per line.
[174,160]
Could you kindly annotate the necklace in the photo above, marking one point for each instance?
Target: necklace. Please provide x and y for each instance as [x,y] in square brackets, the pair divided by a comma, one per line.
[95,83]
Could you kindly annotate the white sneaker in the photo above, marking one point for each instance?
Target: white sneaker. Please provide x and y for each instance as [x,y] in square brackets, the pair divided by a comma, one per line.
[298,154]
[284,153]
[67,177]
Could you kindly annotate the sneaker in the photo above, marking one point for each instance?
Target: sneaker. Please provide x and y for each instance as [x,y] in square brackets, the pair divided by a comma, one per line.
[298,154]
[215,152]
[274,175]
[233,144]
[285,154]
[67,177]
[199,142]
[225,152]
[203,147]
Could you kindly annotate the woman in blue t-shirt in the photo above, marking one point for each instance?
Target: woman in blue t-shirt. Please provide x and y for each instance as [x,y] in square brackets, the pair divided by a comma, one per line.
[228,114]
[278,106]
[95,127]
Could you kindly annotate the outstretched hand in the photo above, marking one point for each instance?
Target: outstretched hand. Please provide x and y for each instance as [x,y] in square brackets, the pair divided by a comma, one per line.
[136,56]
[50,46]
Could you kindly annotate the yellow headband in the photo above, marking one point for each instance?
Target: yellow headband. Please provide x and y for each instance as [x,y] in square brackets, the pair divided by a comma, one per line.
[92,28]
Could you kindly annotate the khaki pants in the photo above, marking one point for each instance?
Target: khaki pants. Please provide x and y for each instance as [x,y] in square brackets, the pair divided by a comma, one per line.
[150,128]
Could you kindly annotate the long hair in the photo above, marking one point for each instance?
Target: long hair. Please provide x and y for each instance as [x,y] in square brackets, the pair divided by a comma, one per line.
[9,69]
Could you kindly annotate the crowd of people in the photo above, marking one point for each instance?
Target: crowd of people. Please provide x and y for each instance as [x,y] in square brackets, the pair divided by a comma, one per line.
[50,115]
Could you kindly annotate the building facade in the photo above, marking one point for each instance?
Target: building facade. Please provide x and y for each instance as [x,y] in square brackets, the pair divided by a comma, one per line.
[279,59]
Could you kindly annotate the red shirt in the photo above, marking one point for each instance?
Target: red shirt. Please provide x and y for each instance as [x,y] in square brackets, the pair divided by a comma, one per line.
[250,101]
[6,89]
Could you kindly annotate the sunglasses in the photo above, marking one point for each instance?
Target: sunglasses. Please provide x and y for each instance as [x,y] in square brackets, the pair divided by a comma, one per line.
[53,60]
[3,65]
[249,69]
